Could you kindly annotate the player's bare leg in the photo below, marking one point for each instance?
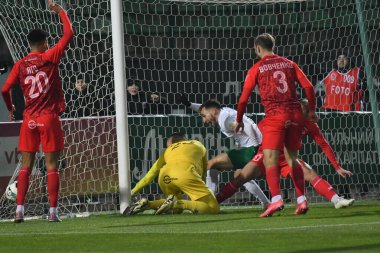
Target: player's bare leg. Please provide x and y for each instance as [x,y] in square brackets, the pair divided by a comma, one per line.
[222,162]
[51,161]
[323,188]
[298,181]
[241,176]
[27,162]
[273,180]
[248,175]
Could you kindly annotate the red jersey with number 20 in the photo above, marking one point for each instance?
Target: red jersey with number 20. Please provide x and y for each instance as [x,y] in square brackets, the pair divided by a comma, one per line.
[276,77]
[39,79]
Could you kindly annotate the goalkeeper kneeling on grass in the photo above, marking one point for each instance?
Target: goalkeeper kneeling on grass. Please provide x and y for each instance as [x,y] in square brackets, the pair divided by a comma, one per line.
[181,168]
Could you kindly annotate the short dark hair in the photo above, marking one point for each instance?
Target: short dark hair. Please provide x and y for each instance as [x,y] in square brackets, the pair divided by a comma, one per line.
[37,36]
[344,55]
[266,41]
[132,80]
[177,137]
[210,104]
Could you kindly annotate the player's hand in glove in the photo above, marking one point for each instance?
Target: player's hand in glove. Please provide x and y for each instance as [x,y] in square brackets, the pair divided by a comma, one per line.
[183,99]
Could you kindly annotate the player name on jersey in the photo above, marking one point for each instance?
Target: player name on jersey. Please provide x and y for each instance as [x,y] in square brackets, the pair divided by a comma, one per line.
[277,65]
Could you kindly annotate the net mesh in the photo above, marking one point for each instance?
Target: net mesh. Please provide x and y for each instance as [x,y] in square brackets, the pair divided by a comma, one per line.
[88,169]
[204,49]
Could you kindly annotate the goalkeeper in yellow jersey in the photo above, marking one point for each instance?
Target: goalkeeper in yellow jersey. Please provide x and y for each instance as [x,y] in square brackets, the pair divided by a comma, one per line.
[181,169]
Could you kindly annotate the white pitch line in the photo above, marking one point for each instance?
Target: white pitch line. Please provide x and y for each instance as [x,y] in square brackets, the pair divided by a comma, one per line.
[16,233]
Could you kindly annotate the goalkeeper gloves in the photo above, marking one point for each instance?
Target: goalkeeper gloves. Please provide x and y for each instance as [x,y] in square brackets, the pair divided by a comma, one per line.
[183,100]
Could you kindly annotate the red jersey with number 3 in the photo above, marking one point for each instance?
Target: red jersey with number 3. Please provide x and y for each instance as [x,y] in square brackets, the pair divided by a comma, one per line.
[342,92]
[39,79]
[276,77]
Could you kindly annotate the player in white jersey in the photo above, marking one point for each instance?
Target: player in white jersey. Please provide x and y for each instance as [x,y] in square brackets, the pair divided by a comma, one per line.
[247,142]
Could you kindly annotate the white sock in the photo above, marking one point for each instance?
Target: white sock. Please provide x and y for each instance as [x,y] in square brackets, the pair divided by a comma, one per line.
[20,208]
[256,191]
[53,210]
[210,184]
[276,198]
[335,198]
[301,199]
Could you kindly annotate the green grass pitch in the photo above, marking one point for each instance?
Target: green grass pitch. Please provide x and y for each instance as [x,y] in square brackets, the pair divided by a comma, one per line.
[323,229]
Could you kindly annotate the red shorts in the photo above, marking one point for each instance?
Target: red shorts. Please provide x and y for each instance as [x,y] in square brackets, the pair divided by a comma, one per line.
[282,130]
[45,129]
[284,167]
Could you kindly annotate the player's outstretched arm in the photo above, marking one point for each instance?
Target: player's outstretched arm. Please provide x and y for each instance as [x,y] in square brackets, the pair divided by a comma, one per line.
[315,133]
[343,173]
[54,7]
[249,85]
[54,54]
[152,174]
[182,99]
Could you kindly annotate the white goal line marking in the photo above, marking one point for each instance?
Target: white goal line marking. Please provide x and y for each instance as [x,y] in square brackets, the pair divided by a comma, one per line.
[17,233]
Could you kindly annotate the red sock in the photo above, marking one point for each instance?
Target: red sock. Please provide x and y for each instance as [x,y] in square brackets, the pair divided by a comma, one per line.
[228,190]
[298,179]
[22,185]
[53,186]
[323,188]
[273,180]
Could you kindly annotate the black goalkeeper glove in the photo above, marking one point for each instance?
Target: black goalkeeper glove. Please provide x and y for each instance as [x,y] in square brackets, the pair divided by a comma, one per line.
[183,100]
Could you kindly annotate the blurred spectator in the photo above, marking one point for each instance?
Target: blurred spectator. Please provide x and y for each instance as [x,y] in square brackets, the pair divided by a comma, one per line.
[141,102]
[136,99]
[344,92]
[157,104]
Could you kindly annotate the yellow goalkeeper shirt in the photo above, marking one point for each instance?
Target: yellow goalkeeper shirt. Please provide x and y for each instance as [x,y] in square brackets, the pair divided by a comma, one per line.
[189,152]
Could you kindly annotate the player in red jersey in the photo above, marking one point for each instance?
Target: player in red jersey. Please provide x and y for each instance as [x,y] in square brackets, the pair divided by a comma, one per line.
[282,126]
[255,168]
[39,79]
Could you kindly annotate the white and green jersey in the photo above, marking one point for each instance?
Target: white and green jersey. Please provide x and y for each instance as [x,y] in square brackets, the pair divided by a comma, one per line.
[251,136]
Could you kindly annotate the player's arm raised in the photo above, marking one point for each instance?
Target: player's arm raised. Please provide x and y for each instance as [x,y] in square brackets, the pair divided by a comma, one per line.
[249,85]
[54,54]
[152,174]
[309,90]
[182,99]
[11,80]
[315,133]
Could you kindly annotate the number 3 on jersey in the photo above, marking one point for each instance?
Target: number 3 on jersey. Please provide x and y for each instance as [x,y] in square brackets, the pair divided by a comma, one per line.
[281,75]
[40,80]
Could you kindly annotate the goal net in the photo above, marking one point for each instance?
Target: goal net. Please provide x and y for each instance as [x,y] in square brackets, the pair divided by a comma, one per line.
[204,49]
[88,168]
